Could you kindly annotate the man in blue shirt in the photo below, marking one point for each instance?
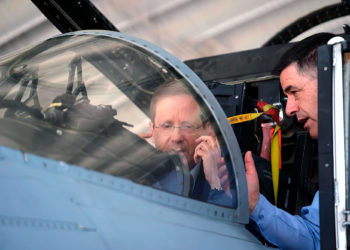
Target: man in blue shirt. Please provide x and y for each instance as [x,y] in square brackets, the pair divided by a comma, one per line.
[298,76]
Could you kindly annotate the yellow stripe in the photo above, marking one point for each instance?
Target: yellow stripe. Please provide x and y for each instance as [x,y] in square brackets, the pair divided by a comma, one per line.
[243,118]
[275,162]
[55,104]
[249,116]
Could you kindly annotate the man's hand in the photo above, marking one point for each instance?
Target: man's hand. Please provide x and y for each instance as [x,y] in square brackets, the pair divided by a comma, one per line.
[252,181]
[213,164]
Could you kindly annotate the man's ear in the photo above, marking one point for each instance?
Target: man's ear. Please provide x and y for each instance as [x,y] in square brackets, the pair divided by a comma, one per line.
[147,135]
[151,129]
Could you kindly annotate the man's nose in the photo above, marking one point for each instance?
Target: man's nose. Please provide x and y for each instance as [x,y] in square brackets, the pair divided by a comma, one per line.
[291,107]
[176,134]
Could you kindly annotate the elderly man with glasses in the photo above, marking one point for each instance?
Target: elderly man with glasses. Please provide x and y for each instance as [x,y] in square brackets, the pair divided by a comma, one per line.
[178,125]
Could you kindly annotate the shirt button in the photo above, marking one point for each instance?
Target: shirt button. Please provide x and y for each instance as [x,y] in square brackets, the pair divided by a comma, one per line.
[261,216]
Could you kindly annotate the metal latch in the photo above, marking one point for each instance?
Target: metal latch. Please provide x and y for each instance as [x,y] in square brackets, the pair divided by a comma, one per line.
[346,223]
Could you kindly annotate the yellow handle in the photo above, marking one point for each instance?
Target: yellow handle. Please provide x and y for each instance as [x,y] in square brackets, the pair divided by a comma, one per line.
[275,162]
[55,104]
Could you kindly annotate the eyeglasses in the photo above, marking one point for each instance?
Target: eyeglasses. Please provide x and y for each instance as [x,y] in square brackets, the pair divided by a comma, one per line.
[168,128]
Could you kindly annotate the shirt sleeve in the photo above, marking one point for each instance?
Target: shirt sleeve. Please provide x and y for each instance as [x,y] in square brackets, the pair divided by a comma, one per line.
[285,230]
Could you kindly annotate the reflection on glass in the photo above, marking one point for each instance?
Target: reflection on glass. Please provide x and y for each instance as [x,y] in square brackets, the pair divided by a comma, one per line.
[112,107]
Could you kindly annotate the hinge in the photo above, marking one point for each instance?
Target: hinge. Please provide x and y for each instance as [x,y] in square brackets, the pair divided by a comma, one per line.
[346,222]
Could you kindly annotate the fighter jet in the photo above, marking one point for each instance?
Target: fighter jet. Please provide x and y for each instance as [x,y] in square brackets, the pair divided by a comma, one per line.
[82,170]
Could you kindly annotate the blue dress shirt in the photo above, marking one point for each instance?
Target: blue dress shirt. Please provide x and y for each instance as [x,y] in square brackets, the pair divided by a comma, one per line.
[285,230]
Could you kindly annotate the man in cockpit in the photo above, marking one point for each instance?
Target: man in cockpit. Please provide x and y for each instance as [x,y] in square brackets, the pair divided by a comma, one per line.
[178,125]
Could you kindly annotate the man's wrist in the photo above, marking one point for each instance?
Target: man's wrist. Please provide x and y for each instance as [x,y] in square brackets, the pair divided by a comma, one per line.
[253,202]
[218,188]
[216,184]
